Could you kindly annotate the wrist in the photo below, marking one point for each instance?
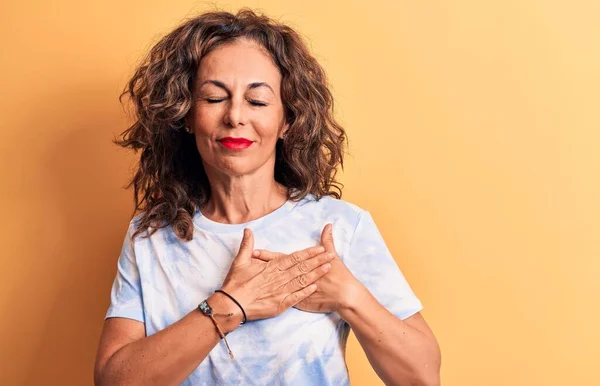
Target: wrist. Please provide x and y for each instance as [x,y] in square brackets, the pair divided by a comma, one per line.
[354,295]
[223,305]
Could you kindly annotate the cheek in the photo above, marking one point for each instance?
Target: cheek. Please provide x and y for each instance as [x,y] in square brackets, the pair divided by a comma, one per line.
[267,126]
[207,121]
[207,126]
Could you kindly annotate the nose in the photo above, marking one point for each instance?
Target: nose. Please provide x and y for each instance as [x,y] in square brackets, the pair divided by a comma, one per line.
[235,113]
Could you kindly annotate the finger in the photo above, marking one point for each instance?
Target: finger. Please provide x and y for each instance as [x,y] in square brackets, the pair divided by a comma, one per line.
[309,278]
[246,246]
[298,256]
[327,238]
[298,296]
[306,266]
[266,255]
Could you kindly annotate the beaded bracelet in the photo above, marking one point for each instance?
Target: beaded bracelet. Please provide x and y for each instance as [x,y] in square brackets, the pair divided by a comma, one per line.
[207,310]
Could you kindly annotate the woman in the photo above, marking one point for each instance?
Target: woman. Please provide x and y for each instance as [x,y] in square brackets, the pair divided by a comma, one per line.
[237,193]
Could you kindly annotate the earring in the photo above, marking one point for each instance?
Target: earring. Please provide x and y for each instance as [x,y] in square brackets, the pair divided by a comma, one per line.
[189,130]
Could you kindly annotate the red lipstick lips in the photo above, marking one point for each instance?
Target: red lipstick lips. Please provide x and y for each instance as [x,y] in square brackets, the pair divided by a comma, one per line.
[235,143]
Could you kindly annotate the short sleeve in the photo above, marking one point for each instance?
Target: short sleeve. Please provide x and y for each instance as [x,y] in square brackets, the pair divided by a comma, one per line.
[126,292]
[370,261]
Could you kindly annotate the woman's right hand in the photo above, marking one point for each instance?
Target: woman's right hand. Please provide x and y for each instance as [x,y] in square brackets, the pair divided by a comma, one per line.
[266,289]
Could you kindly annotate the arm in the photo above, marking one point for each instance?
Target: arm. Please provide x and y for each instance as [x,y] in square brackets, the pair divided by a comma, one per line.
[370,293]
[126,357]
[402,352]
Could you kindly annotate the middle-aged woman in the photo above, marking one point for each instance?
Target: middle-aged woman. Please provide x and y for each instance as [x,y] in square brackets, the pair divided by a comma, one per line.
[243,265]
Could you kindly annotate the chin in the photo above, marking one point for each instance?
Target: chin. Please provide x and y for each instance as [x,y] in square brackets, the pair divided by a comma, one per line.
[236,166]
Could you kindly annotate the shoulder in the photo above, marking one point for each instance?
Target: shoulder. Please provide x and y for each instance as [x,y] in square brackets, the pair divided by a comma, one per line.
[132,228]
[134,224]
[331,208]
[330,203]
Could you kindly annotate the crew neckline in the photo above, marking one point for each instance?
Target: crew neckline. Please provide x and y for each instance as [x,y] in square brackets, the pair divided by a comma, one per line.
[204,223]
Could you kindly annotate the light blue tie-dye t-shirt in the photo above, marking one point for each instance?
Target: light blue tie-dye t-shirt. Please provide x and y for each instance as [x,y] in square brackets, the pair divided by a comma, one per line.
[162,278]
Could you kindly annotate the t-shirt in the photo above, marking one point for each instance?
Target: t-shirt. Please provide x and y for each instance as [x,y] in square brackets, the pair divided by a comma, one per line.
[160,279]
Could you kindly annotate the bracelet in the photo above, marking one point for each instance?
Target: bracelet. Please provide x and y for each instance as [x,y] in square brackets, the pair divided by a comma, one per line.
[236,302]
[207,310]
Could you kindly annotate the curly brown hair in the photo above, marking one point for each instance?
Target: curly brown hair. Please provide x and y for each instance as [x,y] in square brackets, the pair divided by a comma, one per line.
[169,182]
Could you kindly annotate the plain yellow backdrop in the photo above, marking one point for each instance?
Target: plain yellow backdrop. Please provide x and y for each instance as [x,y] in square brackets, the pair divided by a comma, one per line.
[474,133]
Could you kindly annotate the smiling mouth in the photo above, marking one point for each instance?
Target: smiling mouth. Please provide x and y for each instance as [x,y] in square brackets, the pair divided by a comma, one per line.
[235,143]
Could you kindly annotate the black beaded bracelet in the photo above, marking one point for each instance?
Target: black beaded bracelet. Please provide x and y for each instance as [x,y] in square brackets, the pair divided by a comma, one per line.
[236,302]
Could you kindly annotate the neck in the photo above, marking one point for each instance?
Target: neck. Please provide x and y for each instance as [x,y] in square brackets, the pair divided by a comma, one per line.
[239,199]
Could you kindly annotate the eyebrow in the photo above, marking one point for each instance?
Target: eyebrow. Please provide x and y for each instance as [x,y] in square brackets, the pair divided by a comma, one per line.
[250,86]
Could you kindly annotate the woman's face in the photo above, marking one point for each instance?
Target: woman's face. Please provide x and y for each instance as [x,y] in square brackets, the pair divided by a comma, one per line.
[237,115]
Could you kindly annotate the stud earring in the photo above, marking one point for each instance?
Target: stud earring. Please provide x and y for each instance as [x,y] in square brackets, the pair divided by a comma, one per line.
[189,130]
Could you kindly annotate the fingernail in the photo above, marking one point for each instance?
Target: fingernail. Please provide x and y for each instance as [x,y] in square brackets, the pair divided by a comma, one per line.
[326,267]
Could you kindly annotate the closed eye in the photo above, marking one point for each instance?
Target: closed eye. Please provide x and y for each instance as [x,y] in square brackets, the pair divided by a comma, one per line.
[252,102]
[257,103]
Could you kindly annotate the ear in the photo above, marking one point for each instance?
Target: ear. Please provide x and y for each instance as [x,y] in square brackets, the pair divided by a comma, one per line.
[284,130]
[188,119]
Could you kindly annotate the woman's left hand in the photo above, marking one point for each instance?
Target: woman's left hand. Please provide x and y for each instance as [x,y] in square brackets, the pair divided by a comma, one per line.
[334,290]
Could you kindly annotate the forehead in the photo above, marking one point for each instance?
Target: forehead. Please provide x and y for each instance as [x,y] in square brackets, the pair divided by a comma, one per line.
[239,62]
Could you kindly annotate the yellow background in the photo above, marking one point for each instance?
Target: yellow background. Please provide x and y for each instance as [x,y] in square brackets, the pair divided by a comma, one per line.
[475,144]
